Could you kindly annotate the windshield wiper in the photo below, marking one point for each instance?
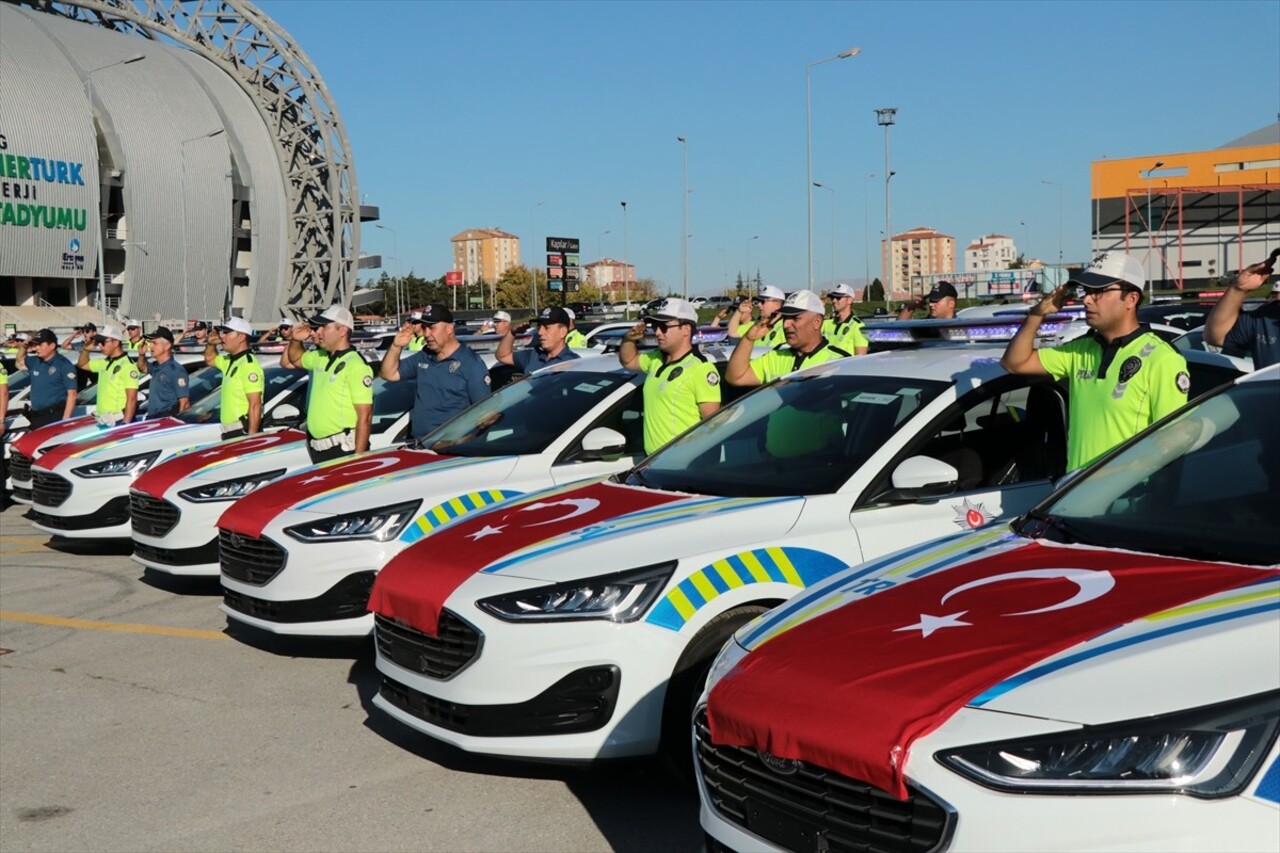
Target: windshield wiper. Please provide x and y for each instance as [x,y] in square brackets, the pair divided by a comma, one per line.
[1069,532]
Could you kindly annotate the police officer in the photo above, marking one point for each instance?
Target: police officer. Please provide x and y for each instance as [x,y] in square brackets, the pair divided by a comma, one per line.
[575,339]
[681,387]
[88,330]
[117,376]
[136,344]
[1256,332]
[242,377]
[940,300]
[449,376]
[340,403]
[498,325]
[418,342]
[550,346]
[769,299]
[843,328]
[53,380]
[167,395]
[1120,377]
[801,317]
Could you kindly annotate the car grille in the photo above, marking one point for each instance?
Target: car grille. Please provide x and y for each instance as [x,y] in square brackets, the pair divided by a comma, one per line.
[811,808]
[113,513]
[21,494]
[347,599]
[456,645]
[152,517]
[249,559]
[19,466]
[49,489]
[198,556]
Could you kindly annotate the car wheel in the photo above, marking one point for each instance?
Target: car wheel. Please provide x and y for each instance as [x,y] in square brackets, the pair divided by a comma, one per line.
[686,683]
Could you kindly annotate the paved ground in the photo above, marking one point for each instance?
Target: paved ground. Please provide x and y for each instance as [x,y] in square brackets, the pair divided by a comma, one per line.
[130,720]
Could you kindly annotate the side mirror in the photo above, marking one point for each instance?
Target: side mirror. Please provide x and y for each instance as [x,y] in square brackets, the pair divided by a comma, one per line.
[602,443]
[285,413]
[1066,478]
[922,477]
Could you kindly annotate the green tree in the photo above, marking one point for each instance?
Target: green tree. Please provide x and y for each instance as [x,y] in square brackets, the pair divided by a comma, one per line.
[1020,263]
[874,292]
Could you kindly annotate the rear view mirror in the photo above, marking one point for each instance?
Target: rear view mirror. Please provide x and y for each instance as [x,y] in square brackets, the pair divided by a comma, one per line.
[602,443]
[922,477]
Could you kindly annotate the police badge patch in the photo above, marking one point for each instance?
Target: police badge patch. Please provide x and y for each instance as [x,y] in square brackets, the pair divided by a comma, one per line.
[368,381]
[1183,381]
[182,383]
[253,377]
[1130,368]
[713,378]
[454,365]
[133,374]
[675,374]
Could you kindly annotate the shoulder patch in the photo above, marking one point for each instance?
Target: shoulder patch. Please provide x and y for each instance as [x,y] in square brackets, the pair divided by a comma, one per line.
[133,374]
[253,377]
[487,380]
[368,381]
[182,382]
[1183,381]
[713,378]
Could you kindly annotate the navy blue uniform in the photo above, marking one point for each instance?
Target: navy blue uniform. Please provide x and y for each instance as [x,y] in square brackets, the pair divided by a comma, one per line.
[444,387]
[530,359]
[1257,333]
[50,382]
[168,386]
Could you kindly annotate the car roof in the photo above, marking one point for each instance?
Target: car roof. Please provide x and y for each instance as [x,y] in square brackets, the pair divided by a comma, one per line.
[942,362]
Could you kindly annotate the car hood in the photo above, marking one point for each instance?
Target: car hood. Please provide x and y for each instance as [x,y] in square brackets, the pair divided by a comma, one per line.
[568,533]
[361,482]
[31,444]
[992,620]
[226,460]
[167,435]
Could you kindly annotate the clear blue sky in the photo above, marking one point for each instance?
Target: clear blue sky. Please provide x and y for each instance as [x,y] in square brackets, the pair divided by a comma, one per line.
[466,114]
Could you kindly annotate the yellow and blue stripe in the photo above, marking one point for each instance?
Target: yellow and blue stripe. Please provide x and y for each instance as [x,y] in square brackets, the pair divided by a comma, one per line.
[429,465]
[456,507]
[793,566]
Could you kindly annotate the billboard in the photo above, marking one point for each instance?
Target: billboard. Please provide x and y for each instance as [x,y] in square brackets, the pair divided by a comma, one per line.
[48,199]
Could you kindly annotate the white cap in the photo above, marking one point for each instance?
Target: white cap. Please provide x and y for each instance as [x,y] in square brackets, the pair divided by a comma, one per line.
[233,324]
[673,309]
[572,316]
[334,314]
[771,292]
[501,317]
[111,332]
[1110,268]
[800,302]
[132,324]
[840,289]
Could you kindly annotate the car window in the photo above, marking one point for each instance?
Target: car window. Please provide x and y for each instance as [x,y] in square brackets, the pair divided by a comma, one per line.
[209,408]
[1202,485]
[390,401]
[798,436]
[525,416]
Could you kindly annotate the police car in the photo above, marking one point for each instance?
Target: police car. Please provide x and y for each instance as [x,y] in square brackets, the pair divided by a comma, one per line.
[174,506]
[25,445]
[80,488]
[299,555]
[1101,674]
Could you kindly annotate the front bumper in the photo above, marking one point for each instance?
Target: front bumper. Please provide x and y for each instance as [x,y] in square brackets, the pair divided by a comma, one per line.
[175,537]
[341,611]
[109,520]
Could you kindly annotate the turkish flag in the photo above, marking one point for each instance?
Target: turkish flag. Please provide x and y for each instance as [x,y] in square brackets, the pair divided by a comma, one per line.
[853,688]
[51,458]
[32,441]
[250,515]
[414,586]
[158,480]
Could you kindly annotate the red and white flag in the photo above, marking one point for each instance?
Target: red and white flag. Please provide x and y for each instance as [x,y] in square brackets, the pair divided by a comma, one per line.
[28,444]
[852,689]
[52,458]
[158,480]
[415,585]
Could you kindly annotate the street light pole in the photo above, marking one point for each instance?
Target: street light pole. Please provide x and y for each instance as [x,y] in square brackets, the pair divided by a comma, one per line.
[102,231]
[684,143]
[750,243]
[533,270]
[603,234]
[1151,232]
[395,249]
[831,190]
[1059,186]
[866,235]
[182,160]
[886,117]
[626,266]
[808,125]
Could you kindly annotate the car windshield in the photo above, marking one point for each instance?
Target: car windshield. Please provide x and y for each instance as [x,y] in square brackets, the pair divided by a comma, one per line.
[209,408]
[526,416]
[799,436]
[1204,485]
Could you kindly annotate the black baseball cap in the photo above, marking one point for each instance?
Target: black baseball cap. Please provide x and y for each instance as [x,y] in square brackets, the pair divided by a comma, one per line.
[552,315]
[942,290]
[44,336]
[434,313]
[200,326]
[161,333]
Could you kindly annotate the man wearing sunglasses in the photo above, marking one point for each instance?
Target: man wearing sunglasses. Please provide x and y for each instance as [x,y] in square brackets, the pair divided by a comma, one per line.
[681,387]
[770,300]
[843,328]
[117,376]
[1121,377]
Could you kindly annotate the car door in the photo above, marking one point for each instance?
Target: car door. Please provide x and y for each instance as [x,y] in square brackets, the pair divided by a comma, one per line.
[1007,441]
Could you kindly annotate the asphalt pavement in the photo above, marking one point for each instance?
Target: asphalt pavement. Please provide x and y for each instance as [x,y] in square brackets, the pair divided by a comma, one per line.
[131,719]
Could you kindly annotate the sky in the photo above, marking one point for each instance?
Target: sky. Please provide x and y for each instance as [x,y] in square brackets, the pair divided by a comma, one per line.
[470,114]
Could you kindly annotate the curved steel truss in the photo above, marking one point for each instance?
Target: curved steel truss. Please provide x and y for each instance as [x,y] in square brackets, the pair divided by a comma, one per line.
[315,156]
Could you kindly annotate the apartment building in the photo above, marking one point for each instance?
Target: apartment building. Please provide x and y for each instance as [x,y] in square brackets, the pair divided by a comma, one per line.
[920,251]
[990,252]
[611,275]
[484,254]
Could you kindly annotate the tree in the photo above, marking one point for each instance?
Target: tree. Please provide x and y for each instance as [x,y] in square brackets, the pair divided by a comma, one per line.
[874,292]
[1020,263]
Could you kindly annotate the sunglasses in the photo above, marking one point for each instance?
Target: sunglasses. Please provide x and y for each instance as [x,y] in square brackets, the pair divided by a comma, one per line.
[1082,292]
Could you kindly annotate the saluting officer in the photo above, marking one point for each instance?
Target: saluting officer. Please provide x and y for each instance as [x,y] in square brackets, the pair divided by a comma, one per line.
[843,328]
[575,339]
[242,377]
[340,404]
[681,387]
[167,395]
[1121,377]
[769,299]
[117,376]
[53,380]
[800,317]
[418,342]
[136,343]
[549,345]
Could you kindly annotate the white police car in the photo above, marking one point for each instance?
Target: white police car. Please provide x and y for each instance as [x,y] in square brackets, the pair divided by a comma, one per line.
[299,555]
[80,488]
[174,506]
[1102,674]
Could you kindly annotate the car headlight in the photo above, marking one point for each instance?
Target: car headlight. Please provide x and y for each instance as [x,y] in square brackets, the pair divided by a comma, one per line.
[124,466]
[12,435]
[620,597]
[381,524]
[228,490]
[1209,752]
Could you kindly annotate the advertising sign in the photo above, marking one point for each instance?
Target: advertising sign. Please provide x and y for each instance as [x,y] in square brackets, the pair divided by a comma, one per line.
[453,278]
[562,269]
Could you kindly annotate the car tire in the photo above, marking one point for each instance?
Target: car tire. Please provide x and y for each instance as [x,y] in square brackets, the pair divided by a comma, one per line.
[686,683]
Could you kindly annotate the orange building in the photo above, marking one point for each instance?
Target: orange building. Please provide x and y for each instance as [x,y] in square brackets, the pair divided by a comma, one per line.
[484,254]
[917,253]
[1195,216]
